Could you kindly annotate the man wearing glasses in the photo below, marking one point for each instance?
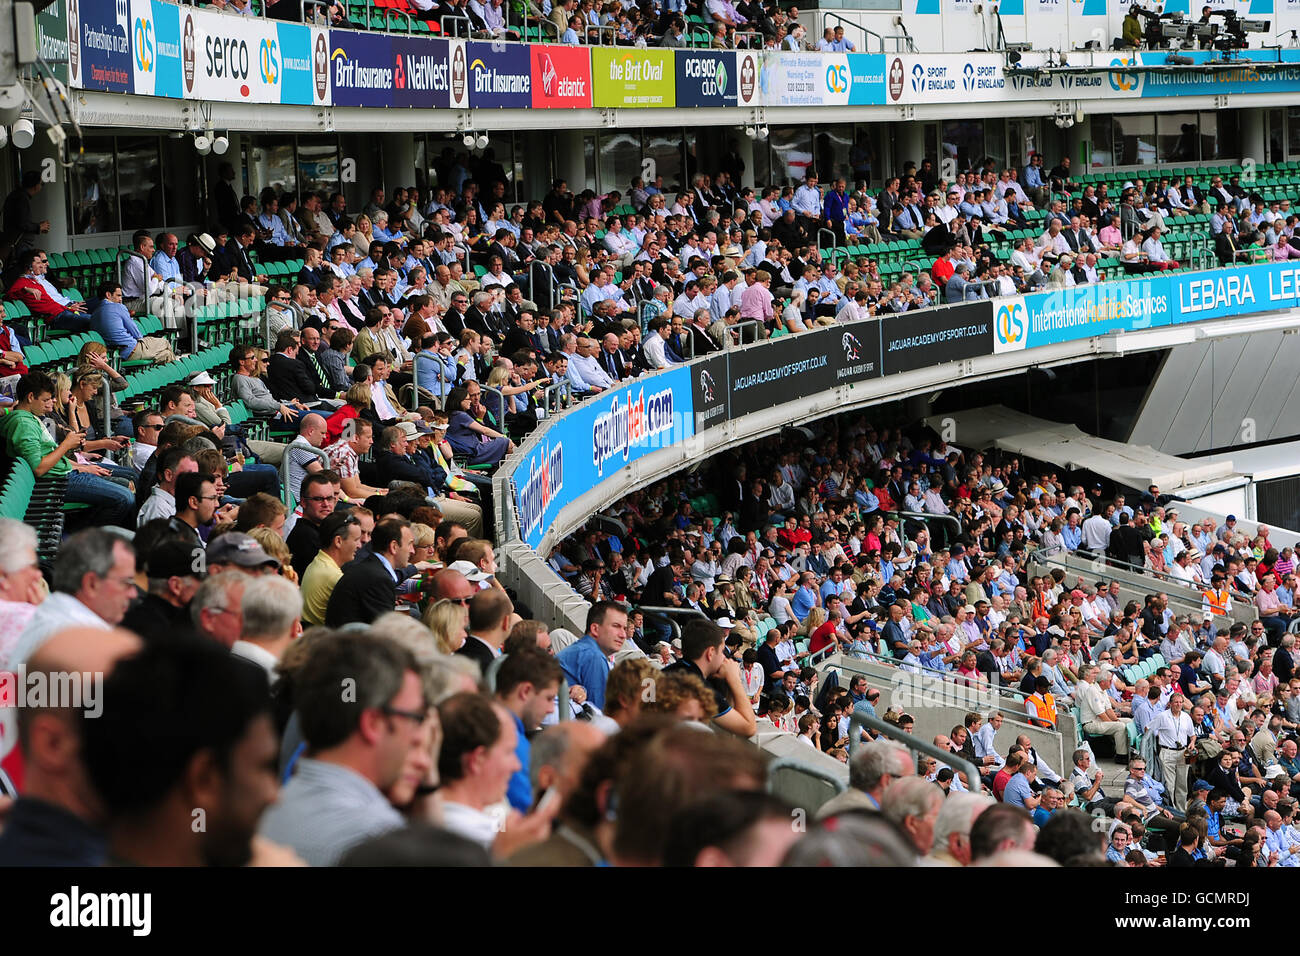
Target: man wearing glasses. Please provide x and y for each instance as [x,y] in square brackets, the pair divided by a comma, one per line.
[358,743]
[93,585]
[306,538]
[148,423]
[196,503]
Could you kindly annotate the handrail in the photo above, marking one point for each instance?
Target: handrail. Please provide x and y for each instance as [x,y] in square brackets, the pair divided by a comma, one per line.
[996,690]
[835,240]
[1162,576]
[862,31]
[792,763]
[958,763]
[739,330]
[388,15]
[442,25]
[321,8]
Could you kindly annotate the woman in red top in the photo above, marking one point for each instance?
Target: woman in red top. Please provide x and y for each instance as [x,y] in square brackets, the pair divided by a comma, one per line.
[358,398]
[823,634]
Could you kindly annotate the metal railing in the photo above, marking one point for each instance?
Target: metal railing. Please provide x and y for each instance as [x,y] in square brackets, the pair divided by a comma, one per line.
[390,12]
[958,763]
[1161,576]
[556,397]
[835,240]
[455,18]
[738,331]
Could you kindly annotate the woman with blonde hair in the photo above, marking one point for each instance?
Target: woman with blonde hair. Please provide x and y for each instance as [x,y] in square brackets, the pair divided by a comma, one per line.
[274,545]
[356,399]
[95,355]
[76,410]
[815,619]
[364,236]
[447,620]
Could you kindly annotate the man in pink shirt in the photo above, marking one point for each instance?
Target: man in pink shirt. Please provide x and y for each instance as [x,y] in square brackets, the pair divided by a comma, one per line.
[756,300]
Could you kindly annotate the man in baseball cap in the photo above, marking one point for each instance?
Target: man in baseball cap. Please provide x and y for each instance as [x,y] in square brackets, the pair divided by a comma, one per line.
[174,569]
[235,551]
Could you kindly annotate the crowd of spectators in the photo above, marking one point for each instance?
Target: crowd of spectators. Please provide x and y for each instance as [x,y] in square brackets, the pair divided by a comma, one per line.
[397,374]
[816,545]
[713,24]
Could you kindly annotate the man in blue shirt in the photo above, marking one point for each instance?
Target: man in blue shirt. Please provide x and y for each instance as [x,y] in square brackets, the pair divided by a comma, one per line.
[806,598]
[114,324]
[1019,791]
[1050,800]
[587,663]
[527,686]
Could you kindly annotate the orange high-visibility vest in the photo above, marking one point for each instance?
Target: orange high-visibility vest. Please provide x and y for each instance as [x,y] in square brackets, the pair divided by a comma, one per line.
[1044,708]
[1218,601]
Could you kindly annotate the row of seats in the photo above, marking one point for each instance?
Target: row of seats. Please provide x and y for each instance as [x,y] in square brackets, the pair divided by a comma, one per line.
[1135,672]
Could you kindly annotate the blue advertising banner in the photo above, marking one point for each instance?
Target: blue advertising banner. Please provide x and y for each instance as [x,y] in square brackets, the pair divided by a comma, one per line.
[500,76]
[592,442]
[361,68]
[706,78]
[156,48]
[99,49]
[1210,295]
[1220,82]
[1077,312]
[304,61]
[423,77]
[866,79]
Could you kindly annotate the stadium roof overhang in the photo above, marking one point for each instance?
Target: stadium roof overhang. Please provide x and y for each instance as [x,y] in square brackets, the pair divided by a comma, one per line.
[1066,446]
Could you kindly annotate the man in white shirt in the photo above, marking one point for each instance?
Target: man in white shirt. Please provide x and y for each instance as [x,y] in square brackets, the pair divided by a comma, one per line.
[1174,734]
[653,347]
[93,581]
[161,502]
[1096,533]
[584,360]
[1097,715]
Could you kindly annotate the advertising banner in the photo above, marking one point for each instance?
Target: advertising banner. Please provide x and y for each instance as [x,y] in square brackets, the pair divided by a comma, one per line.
[913,340]
[748,65]
[633,78]
[805,79]
[361,68]
[421,73]
[99,45]
[858,357]
[245,59]
[710,392]
[304,64]
[561,77]
[52,37]
[500,75]
[156,48]
[592,442]
[1194,296]
[1078,312]
[706,78]
[762,376]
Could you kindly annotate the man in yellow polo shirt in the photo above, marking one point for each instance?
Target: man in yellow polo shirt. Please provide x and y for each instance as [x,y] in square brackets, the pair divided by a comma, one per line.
[340,537]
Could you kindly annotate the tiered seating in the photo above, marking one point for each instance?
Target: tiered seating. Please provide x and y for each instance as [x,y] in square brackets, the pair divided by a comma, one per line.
[39,502]
[1188,239]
